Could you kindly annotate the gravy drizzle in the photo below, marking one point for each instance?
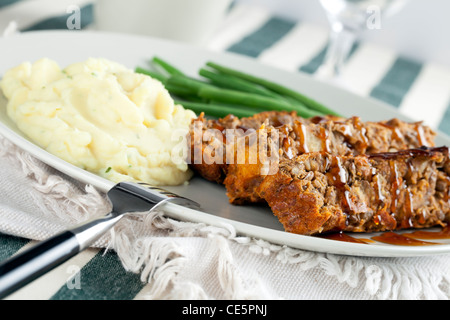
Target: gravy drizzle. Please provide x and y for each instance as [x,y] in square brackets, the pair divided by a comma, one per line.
[341,236]
[361,130]
[401,240]
[406,239]
[300,130]
[338,177]
[444,233]
[396,182]
[421,135]
[286,141]
[325,141]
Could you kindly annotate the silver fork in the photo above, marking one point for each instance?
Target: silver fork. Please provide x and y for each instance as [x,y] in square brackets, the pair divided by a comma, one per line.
[125,197]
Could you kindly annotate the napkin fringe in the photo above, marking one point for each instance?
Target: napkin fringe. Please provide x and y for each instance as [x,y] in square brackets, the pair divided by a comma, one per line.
[161,263]
[158,262]
[56,194]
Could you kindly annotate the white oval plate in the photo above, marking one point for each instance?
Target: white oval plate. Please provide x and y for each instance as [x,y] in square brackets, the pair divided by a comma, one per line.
[67,47]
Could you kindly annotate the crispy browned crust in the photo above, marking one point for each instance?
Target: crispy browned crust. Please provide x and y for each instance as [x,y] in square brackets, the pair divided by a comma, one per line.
[208,168]
[334,136]
[317,192]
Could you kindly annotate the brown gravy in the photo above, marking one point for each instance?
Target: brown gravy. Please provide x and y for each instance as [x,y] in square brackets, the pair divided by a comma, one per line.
[444,233]
[401,240]
[406,239]
[340,236]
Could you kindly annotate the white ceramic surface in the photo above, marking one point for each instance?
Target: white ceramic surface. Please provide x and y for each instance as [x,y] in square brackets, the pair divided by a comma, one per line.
[68,47]
[192,21]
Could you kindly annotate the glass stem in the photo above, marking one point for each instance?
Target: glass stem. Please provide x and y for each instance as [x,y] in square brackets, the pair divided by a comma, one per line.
[341,42]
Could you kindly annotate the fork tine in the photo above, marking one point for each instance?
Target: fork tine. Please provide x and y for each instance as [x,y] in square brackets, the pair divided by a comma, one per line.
[160,190]
[154,195]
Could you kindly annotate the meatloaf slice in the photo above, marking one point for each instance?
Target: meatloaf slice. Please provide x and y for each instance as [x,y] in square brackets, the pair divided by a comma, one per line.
[318,192]
[335,136]
[206,164]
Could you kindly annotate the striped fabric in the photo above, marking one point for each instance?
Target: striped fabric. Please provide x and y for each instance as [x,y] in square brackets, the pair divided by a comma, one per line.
[419,89]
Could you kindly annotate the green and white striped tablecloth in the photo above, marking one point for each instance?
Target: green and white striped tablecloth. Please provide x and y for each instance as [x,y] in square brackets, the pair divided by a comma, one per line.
[420,89]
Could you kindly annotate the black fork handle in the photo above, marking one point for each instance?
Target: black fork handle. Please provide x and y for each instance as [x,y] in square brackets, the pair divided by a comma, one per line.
[27,266]
[36,261]
[125,197]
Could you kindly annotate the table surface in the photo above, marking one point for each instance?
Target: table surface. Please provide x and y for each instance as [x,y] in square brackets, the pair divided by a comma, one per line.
[419,89]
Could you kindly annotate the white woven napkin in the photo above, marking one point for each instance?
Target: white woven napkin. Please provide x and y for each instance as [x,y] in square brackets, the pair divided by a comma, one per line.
[194,261]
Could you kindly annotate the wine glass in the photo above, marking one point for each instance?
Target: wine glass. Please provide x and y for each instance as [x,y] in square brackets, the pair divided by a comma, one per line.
[347,19]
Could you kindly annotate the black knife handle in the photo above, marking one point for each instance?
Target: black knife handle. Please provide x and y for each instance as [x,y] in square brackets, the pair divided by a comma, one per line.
[25,267]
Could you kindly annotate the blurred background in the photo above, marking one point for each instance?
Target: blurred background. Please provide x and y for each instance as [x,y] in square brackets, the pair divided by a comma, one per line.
[421,30]
[404,61]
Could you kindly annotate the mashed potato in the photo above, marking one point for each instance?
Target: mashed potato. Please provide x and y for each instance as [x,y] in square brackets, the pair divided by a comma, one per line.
[100,116]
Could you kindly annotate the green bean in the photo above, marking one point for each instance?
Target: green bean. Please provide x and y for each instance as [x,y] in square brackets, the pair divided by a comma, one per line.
[308,102]
[170,69]
[180,91]
[254,110]
[187,82]
[152,74]
[231,82]
[253,100]
[219,111]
